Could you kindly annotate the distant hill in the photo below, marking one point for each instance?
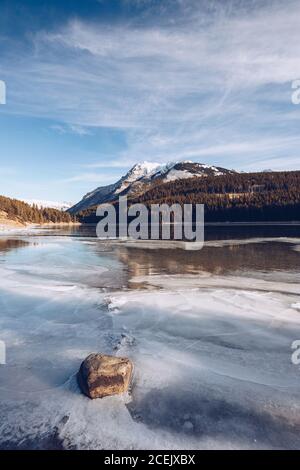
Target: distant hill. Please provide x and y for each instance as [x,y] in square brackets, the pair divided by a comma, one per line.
[144,176]
[41,204]
[21,213]
[231,196]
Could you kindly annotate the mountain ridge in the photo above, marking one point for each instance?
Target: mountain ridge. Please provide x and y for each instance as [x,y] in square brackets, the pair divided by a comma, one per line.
[142,176]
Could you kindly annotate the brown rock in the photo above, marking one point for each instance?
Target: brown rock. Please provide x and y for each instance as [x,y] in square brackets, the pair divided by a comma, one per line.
[101,375]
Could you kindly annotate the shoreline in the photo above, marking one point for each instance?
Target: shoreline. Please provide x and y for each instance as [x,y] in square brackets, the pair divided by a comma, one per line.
[9,226]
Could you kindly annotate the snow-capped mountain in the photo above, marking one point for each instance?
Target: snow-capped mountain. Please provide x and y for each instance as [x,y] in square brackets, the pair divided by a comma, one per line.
[142,177]
[61,206]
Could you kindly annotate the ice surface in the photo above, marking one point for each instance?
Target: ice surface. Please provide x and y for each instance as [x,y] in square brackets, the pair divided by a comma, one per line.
[296,306]
[29,229]
[4,229]
[212,353]
[198,245]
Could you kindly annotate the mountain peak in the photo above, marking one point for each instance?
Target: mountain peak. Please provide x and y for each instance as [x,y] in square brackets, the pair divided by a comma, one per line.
[143,169]
[146,166]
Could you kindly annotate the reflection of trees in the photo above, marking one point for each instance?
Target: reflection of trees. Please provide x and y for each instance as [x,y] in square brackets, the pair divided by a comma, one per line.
[11,244]
[217,260]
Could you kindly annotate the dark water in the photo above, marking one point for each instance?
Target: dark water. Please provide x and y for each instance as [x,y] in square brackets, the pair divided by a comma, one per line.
[224,231]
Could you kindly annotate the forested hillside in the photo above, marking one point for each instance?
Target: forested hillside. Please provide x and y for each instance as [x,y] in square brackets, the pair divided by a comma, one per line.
[269,196]
[20,211]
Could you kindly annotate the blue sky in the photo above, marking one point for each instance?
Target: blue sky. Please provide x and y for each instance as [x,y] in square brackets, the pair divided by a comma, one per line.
[95,86]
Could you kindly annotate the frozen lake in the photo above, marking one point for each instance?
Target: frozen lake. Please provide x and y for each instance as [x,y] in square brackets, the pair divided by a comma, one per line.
[209,332]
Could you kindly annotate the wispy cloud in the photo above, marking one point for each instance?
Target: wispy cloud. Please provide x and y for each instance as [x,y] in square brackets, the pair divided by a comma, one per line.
[107,163]
[99,178]
[203,82]
[71,129]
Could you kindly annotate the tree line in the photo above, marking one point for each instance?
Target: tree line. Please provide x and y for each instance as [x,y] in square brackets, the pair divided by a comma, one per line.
[23,212]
